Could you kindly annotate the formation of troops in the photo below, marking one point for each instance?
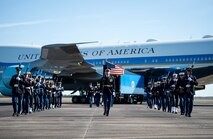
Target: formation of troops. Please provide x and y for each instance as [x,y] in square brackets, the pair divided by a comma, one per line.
[31,94]
[171,92]
[94,92]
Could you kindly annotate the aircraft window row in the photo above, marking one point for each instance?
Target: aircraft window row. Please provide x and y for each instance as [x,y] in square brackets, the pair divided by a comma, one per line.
[113,62]
[125,61]
[188,59]
[4,67]
[156,60]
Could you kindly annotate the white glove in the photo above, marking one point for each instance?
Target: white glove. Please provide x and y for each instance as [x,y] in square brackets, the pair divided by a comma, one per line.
[173,86]
[17,78]
[190,79]
[188,85]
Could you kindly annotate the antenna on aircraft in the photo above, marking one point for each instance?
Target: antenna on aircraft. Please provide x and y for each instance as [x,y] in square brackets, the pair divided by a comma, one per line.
[207,36]
[87,42]
[151,40]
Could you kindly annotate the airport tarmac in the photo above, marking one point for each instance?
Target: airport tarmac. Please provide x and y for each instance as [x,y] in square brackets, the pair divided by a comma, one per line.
[78,121]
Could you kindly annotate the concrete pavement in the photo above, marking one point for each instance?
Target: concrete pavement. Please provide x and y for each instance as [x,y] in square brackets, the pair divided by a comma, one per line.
[78,121]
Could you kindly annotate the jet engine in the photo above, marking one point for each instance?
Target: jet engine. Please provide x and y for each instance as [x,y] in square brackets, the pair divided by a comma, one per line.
[6,76]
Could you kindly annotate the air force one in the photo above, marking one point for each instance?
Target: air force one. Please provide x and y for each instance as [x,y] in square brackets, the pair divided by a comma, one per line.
[80,63]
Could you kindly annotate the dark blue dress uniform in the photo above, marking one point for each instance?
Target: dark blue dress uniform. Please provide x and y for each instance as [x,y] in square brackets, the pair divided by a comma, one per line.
[97,95]
[37,95]
[27,93]
[16,83]
[190,82]
[48,94]
[108,89]
[59,90]
[149,96]
[90,94]
[180,88]
[163,94]
[156,96]
[42,93]
[174,100]
[169,96]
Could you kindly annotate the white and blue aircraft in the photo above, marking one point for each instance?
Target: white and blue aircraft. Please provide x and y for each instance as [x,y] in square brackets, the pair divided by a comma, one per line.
[83,62]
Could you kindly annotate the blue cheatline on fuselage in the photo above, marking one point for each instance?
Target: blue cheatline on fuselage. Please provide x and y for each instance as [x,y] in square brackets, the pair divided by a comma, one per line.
[155,60]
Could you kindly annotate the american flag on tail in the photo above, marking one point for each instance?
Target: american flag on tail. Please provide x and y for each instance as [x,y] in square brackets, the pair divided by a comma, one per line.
[115,69]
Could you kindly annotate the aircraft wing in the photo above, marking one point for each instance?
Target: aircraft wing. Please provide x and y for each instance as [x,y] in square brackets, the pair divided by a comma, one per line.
[65,60]
[203,74]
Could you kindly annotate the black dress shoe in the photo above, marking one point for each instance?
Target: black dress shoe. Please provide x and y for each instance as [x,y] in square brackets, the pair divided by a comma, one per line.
[189,115]
[104,113]
[14,114]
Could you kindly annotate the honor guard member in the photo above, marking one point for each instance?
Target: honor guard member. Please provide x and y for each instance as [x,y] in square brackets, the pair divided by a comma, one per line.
[46,97]
[51,94]
[97,95]
[174,100]
[108,89]
[16,83]
[48,91]
[27,93]
[149,95]
[90,94]
[156,95]
[32,83]
[180,88]
[163,93]
[59,90]
[42,92]
[37,94]
[154,92]
[54,96]
[191,82]
[169,95]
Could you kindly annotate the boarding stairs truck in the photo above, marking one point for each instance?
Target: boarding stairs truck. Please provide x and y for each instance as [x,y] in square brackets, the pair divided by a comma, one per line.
[129,89]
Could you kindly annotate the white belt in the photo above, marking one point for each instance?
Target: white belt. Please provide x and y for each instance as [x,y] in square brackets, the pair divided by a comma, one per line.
[188,85]
[28,88]
[15,85]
